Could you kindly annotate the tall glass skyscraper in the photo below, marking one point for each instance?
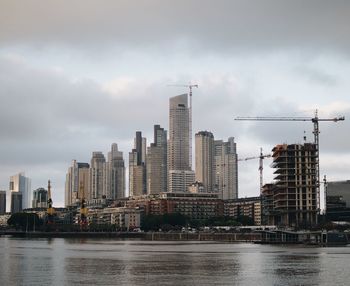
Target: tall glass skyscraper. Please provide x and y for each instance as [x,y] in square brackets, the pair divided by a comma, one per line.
[180,175]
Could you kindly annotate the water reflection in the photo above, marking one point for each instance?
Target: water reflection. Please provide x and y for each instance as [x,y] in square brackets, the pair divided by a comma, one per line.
[301,267]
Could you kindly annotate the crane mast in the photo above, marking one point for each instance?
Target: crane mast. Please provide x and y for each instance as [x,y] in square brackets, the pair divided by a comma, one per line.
[261,165]
[50,210]
[315,120]
[83,209]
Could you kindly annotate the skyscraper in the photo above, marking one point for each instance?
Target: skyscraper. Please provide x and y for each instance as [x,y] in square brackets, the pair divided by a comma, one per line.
[77,175]
[157,162]
[137,167]
[2,202]
[180,175]
[96,176]
[19,184]
[16,202]
[204,150]
[179,128]
[40,198]
[226,169]
[115,174]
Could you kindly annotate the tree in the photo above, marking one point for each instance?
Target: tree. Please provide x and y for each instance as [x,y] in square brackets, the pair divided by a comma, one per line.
[24,221]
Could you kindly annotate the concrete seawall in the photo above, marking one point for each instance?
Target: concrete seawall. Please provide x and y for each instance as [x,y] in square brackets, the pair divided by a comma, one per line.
[232,237]
[154,236]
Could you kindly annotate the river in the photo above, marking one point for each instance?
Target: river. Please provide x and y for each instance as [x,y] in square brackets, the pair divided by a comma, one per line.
[61,261]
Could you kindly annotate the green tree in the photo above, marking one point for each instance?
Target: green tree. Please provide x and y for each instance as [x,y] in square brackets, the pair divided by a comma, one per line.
[25,221]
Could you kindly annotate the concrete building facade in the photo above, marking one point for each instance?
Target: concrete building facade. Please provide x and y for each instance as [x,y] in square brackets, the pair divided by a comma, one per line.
[2,202]
[96,176]
[16,202]
[204,158]
[19,183]
[114,185]
[40,197]
[226,168]
[137,168]
[248,207]
[292,199]
[157,171]
[77,176]
[338,200]
[180,175]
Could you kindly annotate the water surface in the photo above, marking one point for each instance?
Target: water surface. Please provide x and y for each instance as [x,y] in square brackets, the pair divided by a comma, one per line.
[61,261]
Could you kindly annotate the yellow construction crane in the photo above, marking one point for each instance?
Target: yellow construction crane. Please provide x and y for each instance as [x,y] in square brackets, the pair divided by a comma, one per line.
[83,209]
[261,165]
[50,210]
[189,86]
[315,120]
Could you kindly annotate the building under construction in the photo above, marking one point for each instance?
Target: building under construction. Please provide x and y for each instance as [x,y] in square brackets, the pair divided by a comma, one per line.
[292,199]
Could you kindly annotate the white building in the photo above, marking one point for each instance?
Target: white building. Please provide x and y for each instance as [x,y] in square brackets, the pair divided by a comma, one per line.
[96,176]
[77,179]
[204,150]
[114,186]
[226,169]
[180,175]
[19,184]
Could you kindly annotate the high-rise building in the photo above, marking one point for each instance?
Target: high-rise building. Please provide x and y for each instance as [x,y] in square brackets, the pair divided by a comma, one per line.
[292,199]
[40,198]
[338,200]
[205,170]
[19,184]
[137,167]
[226,169]
[157,162]
[77,177]
[179,128]
[115,174]
[16,202]
[180,175]
[96,176]
[2,202]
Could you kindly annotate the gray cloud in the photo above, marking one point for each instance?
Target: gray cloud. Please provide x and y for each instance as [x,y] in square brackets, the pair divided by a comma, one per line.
[93,73]
[227,26]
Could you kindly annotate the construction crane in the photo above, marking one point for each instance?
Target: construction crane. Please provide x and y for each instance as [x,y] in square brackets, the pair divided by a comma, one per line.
[315,120]
[261,165]
[83,209]
[50,210]
[190,86]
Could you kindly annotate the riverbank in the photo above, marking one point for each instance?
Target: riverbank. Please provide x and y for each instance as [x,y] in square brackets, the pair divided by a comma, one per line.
[156,236]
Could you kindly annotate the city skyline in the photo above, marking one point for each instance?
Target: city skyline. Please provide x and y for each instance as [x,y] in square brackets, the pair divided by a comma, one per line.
[66,92]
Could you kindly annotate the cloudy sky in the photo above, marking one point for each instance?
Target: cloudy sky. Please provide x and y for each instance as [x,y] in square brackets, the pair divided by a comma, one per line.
[76,76]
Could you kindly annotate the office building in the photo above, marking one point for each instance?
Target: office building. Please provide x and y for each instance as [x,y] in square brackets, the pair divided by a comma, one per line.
[114,187]
[77,181]
[179,128]
[16,202]
[96,176]
[338,200]
[2,202]
[137,167]
[204,158]
[19,184]
[180,175]
[157,171]
[226,169]
[40,198]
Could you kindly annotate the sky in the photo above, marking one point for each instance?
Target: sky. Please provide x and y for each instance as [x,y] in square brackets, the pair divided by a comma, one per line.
[77,76]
